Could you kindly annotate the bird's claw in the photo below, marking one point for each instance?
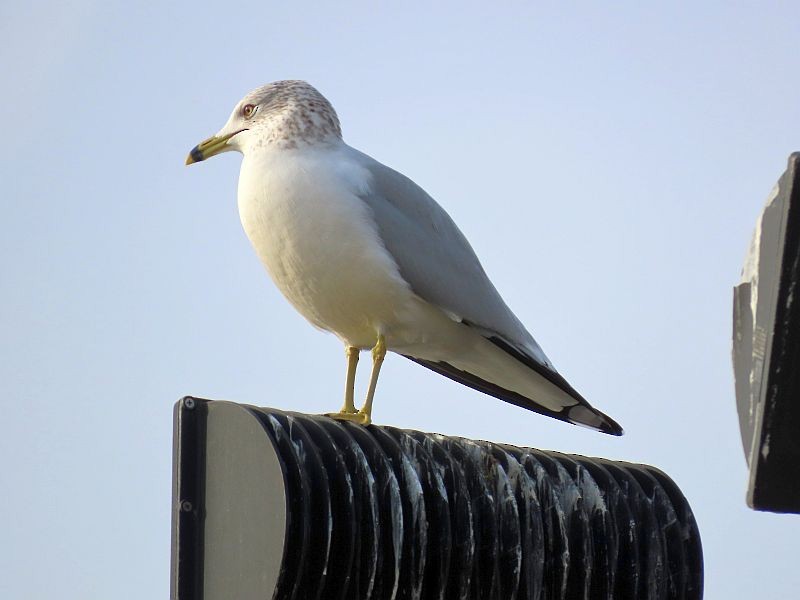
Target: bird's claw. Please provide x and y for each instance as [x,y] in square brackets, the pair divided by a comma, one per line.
[354,417]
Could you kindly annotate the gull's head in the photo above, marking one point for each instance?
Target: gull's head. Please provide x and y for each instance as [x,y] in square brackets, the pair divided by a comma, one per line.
[282,114]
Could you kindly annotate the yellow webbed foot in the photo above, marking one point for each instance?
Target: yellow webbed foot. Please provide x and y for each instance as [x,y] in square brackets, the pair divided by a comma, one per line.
[354,417]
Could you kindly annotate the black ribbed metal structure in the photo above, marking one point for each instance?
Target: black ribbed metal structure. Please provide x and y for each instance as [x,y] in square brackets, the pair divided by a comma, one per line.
[378,512]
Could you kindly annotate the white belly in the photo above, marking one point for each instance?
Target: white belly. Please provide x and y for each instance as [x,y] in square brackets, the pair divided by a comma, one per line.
[319,245]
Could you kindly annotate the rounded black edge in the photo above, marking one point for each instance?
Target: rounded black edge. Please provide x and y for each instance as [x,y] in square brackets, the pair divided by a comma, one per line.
[295,563]
[188,497]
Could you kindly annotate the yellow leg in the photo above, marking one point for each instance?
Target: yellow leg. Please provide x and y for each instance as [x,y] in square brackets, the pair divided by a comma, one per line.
[378,353]
[350,380]
[348,412]
[349,409]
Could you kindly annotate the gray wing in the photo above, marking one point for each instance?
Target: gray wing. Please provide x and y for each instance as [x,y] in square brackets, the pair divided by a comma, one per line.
[436,259]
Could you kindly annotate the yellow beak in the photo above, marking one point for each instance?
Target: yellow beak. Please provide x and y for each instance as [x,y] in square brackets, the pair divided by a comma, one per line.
[210,147]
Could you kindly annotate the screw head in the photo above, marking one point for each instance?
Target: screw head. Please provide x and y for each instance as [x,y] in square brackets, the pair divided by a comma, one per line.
[189,403]
[186,506]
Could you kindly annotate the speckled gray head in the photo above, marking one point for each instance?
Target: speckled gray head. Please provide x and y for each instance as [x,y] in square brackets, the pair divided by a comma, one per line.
[285,114]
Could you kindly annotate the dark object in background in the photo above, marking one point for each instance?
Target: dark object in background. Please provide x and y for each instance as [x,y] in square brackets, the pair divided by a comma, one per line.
[766,350]
[270,504]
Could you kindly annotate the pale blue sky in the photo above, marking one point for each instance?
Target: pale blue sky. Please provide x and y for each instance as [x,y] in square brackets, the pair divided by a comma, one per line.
[608,165]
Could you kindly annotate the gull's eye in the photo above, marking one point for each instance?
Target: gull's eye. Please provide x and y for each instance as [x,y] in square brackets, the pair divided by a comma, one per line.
[248,110]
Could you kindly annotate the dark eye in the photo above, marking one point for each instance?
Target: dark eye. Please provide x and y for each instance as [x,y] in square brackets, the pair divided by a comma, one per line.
[248,110]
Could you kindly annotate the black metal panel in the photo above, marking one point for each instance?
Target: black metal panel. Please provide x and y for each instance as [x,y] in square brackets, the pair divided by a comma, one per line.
[766,351]
[382,513]
[776,485]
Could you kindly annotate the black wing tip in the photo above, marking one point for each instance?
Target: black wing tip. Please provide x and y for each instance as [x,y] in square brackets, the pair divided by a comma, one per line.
[585,415]
[605,425]
[611,427]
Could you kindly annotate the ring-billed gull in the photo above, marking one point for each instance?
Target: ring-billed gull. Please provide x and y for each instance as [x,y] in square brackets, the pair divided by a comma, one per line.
[362,251]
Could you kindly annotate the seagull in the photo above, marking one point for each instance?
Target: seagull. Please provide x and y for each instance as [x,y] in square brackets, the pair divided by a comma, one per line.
[363,252]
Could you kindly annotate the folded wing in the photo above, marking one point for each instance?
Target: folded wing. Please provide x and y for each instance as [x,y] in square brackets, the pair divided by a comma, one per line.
[439,264]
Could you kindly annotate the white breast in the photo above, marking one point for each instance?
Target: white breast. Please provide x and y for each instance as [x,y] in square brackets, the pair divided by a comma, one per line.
[316,238]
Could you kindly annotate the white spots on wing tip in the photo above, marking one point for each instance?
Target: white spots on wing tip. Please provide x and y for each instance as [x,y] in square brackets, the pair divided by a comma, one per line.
[584,416]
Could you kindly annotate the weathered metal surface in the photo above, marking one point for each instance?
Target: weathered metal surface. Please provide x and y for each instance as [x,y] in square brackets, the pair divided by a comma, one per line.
[382,513]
